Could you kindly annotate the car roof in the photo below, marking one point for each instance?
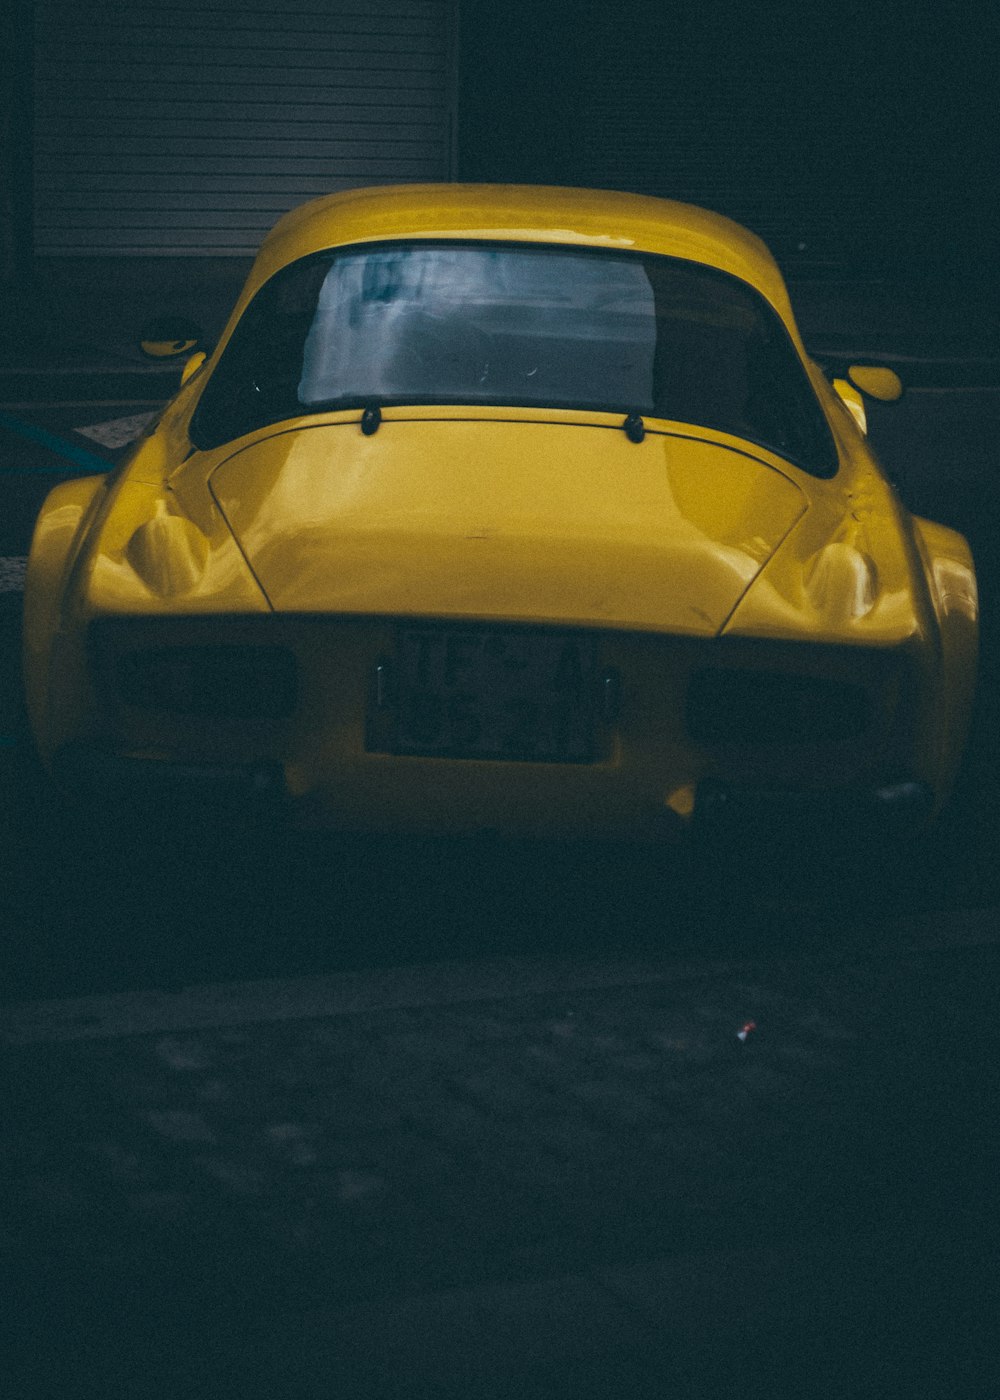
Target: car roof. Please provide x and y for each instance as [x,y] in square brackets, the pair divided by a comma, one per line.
[522,213]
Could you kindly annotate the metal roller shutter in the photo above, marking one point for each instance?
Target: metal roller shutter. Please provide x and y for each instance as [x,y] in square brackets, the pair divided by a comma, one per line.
[188,127]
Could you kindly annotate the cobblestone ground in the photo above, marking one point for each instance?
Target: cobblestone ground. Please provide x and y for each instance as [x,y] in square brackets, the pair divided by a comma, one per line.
[251,1192]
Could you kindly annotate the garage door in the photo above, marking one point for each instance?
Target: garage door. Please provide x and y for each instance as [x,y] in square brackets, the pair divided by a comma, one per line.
[188,128]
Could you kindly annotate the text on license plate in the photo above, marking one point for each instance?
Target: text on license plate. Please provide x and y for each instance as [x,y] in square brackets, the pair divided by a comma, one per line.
[484,692]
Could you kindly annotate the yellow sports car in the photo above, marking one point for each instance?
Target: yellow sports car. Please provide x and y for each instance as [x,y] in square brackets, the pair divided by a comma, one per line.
[510,509]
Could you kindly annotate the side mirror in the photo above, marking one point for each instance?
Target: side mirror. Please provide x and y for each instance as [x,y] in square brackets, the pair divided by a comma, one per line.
[853,402]
[169,337]
[874,380]
[877,382]
[193,365]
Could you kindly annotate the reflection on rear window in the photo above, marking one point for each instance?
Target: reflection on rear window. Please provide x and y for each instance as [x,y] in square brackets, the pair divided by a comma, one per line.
[515,325]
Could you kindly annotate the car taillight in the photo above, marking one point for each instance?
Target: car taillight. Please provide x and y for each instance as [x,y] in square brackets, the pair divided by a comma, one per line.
[240,681]
[773,707]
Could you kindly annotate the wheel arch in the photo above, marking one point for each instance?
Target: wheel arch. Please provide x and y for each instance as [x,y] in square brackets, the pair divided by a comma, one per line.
[60,530]
[951,580]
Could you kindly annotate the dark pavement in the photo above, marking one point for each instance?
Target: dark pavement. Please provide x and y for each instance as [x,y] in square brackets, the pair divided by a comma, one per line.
[374,1118]
[536,1175]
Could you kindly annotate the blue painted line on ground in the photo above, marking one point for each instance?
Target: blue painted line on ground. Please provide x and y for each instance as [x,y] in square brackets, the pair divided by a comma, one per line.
[62,446]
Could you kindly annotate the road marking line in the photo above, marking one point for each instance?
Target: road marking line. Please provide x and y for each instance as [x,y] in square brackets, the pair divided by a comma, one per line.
[354,993]
[56,444]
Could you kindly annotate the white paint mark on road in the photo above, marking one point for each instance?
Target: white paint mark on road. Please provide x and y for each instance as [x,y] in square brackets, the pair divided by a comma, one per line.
[353,993]
[117,432]
[12,573]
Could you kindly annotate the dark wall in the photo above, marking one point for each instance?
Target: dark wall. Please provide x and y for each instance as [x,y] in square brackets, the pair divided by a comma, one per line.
[871,126]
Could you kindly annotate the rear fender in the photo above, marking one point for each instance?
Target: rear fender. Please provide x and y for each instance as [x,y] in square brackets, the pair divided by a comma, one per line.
[951,580]
[60,530]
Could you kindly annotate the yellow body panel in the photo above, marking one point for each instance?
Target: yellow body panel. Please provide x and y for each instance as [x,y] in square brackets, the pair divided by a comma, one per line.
[524,518]
[688,549]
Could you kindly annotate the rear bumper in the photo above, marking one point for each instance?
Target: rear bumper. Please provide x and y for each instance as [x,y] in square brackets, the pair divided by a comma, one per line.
[811,817]
[118,785]
[737,814]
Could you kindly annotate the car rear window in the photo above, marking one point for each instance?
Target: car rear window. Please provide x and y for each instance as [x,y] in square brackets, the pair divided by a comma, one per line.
[516,325]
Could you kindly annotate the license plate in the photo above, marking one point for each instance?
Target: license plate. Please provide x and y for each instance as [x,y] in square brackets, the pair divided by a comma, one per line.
[501,693]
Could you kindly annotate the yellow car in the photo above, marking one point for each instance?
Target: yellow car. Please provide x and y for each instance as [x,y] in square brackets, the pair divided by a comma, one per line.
[510,509]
